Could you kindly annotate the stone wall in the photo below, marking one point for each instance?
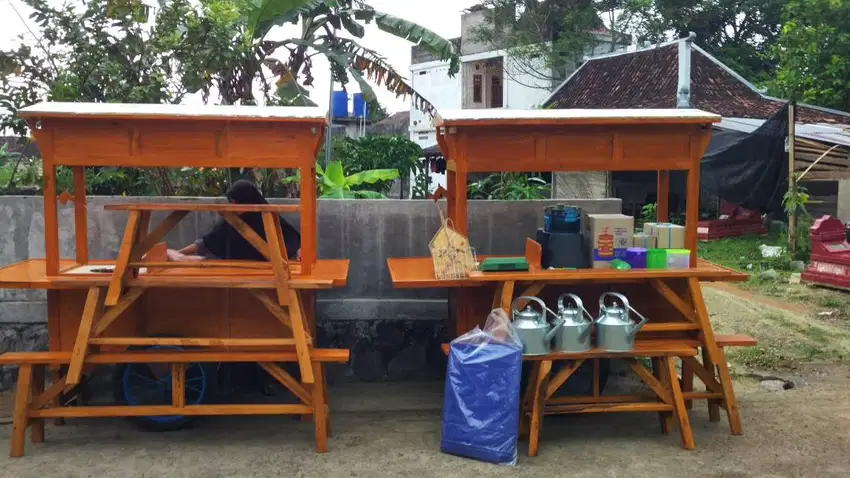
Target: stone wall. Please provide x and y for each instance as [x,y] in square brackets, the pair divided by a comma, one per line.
[393,334]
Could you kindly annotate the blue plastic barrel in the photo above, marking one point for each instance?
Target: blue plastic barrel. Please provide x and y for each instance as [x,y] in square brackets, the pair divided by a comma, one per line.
[339,104]
[359,106]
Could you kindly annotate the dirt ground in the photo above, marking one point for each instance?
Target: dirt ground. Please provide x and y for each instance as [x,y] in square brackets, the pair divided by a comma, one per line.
[393,429]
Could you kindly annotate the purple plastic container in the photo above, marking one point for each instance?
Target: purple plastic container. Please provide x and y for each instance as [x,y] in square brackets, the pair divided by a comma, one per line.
[636,257]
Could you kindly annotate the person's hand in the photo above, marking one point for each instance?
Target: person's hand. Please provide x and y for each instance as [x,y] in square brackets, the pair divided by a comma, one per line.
[298,255]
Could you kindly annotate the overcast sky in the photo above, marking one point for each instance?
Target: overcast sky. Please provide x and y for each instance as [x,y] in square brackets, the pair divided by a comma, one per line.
[441,16]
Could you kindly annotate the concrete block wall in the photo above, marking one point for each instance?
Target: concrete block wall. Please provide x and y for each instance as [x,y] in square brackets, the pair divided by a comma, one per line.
[393,333]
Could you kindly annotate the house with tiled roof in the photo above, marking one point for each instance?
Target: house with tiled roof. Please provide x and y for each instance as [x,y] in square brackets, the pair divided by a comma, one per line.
[681,74]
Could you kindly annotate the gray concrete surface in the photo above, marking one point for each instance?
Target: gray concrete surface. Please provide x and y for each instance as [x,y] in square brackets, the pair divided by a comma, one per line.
[393,430]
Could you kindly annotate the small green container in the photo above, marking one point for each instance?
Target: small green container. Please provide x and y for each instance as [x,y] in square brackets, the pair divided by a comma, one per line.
[656,258]
[678,259]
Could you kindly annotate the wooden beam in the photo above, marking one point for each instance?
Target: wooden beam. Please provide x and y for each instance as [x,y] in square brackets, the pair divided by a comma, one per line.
[127,300]
[91,311]
[248,233]
[168,410]
[159,233]
[558,380]
[273,307]
[287,381]
[113,293]
[178,385]
[650,380]
[192,341]
[20,415]
[80,228]
[673,299]
[277,256]
[662,209]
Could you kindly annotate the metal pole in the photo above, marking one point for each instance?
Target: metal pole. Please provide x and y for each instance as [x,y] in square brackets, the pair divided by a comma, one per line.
[328,142]
[792,183]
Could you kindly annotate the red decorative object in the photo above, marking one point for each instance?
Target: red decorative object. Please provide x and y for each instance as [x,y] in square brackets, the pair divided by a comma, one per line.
[737,222]
[830,258]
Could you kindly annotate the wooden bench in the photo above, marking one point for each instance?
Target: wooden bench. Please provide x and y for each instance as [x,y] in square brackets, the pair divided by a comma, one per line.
[33,403]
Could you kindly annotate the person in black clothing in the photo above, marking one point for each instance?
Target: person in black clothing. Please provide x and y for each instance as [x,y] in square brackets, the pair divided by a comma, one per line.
[225,242]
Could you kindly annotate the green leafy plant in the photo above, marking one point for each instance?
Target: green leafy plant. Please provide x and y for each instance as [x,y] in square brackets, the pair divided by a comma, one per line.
[648,212]
[509,186]
[376,153]
[332,182]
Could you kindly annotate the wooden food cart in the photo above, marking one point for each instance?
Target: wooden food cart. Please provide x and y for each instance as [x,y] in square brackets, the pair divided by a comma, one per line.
[476,141]
[141,309]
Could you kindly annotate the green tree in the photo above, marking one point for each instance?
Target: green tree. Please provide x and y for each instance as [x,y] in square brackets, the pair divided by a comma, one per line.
[738,32]
[545,39]
[378,153]
[813,53]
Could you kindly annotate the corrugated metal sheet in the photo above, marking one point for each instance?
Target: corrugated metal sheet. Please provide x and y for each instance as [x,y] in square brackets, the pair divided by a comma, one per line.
[831,134]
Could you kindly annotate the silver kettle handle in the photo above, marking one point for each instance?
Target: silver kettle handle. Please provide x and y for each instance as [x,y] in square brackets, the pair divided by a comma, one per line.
[543,308]
[626,304]
[577,301]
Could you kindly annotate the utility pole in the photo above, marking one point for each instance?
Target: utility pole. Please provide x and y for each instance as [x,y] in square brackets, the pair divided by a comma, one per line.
[328,142]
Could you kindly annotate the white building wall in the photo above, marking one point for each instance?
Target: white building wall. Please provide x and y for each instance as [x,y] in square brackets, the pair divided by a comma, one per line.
[432,81]
[526,84]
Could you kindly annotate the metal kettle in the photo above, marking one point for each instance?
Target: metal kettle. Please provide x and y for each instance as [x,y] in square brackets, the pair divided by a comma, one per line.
[615,331]
[575,324]
[533,328]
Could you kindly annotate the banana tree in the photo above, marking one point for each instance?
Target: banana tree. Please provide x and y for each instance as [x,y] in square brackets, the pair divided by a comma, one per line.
[332,183]
[331,28]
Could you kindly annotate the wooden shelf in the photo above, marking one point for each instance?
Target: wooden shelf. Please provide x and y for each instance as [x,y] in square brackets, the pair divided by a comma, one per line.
[218,207]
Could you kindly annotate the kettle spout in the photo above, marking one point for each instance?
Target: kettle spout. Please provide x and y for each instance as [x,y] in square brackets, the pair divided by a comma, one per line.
[556,326]
[634,329]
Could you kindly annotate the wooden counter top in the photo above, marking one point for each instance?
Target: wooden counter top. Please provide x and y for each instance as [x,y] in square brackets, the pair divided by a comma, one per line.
[30,274]
[418,272]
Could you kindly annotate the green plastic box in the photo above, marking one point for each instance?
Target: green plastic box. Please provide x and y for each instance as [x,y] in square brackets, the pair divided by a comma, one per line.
[656,258]
[497,264]
[678,259]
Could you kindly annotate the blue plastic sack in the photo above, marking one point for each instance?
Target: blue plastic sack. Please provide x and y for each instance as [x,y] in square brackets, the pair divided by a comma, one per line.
[481,402]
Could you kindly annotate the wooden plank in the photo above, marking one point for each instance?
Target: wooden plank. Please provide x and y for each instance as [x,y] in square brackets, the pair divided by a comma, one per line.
[608,408]
[287,381]
[665,419]
[538,405]
[320,412]
[20,415]
[198,279]
[80,227]
[686,310]
[272,307]
[702,396]
[558,380]
[148,356]
[37,425]
[716,358]
[302,345]
[205,264]
[277,254]
[91,312]
[178,385]
[662,209]
[168,410]
[527,399]
[669,327]
[687,383]
[533,253]
[497,297]
[649,380]
[192,341]
[705,375]
[112,314]
[248,233]
[113,293]
[190,206]
[692,211]
[601,399]
[679,410]
[309,221]
[507,296]
[158,234]
[51,212]
[55,390]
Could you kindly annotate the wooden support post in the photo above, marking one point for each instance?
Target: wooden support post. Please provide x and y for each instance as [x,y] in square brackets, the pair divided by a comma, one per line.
[20,415]
[51,219]
[320,412]
[664,418]
[713,405]
[715,356]
[309,234]
[277,252]
[37,424]
[91,311]
[688,382]
[692,211]
[80,227]
[681,413]
[178,385]
[662,209]
[792,180]
[538,405]
[123,259]
[302,347]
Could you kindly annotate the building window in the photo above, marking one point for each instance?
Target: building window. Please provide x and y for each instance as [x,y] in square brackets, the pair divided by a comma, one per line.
[476,89]
[496,92]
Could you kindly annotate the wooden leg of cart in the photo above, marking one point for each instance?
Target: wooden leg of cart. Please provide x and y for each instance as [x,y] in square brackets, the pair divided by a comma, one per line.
[91,312]
[320,410]
[20,415]
[37,424]
[538,406]
[527,398]
[713,405]
[717,357]
[687,382]
[659,371]
[672,381]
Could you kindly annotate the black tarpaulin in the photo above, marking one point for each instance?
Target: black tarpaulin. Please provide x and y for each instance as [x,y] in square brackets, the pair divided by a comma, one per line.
[749,170]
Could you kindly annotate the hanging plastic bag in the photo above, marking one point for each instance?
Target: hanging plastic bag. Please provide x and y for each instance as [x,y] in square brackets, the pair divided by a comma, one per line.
[481,402]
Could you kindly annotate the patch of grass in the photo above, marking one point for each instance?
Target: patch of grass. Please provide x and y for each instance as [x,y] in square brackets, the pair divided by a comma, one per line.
[759,357]
[780,319]
[817,334]
[738,252]
[831,302]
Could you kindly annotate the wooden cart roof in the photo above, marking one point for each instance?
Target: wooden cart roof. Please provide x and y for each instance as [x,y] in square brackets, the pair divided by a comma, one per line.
[189,112]
[544,117]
